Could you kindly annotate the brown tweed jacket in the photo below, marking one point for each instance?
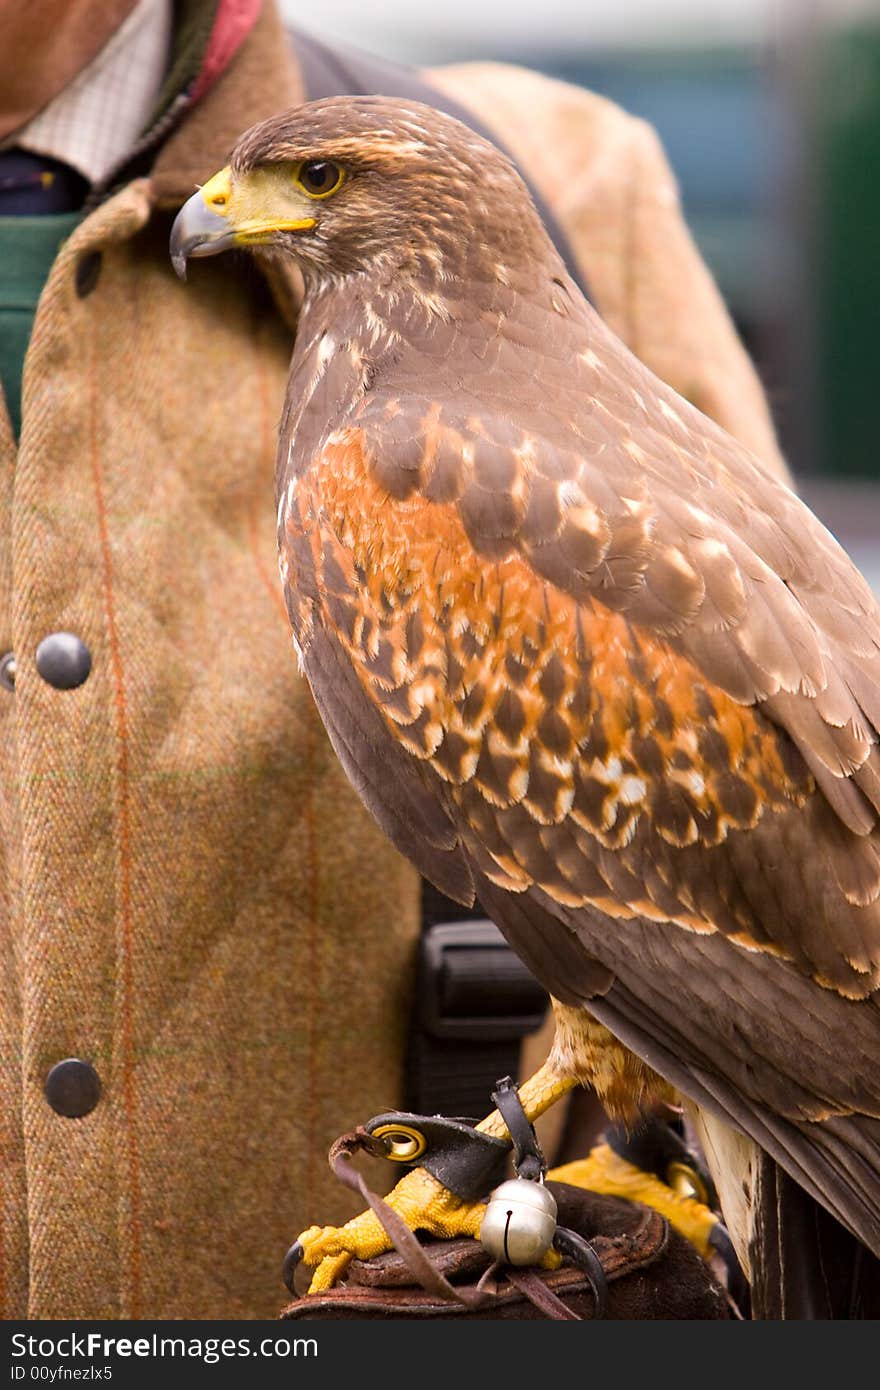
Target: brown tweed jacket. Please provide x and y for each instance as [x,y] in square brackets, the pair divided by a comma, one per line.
[190,898]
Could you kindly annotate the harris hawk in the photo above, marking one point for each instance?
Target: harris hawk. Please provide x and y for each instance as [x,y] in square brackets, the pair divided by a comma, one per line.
[581,657]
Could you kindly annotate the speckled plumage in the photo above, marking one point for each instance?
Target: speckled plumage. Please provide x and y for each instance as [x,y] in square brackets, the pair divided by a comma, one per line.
[577,651]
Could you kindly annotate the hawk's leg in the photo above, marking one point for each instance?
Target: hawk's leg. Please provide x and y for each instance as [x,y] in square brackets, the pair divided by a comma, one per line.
[423,1202]
[584,1052]
[607,1173]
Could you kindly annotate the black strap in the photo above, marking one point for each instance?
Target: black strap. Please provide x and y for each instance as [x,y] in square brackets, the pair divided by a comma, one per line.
[344,71]
[474,1000]
[528,1159]
[474,1003]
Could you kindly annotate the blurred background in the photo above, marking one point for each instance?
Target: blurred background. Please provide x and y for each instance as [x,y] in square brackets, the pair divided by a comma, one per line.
[769,111]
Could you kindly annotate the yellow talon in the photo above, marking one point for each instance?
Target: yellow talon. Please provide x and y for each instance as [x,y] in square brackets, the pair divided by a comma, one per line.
[329,1272]
[606,1173]
[422,1202]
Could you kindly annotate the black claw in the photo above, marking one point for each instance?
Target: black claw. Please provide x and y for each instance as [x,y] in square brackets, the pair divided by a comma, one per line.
[581,1252]
[291,1260]
[737,1284]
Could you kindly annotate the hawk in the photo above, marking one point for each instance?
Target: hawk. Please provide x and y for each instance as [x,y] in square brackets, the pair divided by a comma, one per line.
[578,653]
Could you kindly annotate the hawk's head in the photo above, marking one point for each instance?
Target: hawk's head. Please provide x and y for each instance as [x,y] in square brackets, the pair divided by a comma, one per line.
[352,184]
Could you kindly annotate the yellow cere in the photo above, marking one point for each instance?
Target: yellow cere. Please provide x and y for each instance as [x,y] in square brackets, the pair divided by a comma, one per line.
[253,207]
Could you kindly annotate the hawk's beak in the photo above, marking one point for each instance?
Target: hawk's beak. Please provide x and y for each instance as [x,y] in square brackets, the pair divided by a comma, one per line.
[202,227]
[221,215]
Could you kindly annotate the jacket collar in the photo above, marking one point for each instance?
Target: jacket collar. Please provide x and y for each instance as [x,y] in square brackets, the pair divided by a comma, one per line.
[247,73]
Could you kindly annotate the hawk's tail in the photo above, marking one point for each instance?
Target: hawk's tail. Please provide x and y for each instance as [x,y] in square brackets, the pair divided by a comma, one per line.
[804,1263]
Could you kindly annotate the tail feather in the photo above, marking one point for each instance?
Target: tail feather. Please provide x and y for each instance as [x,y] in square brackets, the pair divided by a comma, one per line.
[804,1264]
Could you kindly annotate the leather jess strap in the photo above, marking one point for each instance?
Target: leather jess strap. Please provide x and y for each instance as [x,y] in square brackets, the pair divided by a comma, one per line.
[528,1160]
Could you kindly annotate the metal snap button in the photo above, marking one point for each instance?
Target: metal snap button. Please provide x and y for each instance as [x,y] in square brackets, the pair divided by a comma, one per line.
[72,1088]
[63,660]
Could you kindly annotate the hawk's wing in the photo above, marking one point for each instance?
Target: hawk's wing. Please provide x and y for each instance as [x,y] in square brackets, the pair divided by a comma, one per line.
[642,685]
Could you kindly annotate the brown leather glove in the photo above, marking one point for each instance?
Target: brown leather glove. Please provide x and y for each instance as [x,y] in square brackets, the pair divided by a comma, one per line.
[650,1272]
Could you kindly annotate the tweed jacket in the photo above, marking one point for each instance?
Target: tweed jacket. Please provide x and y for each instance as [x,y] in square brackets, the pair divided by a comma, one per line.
[191,899]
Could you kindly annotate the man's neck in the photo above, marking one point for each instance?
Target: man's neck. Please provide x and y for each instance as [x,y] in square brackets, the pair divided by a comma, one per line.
[43,45]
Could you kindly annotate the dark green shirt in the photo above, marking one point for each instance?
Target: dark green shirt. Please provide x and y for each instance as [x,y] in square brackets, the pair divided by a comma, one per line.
[28,246]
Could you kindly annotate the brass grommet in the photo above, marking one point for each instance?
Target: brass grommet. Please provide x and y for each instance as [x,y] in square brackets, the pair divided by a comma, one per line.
[686,1182]
[404,1143]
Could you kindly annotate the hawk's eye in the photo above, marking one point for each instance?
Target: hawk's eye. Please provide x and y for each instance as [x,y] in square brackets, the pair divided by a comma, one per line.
[319,177]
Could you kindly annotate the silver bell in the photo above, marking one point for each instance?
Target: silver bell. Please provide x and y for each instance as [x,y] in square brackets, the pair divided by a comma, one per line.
[520,1222]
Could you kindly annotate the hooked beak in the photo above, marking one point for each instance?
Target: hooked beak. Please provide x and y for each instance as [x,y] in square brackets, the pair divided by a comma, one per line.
[220,216]
[202,227]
